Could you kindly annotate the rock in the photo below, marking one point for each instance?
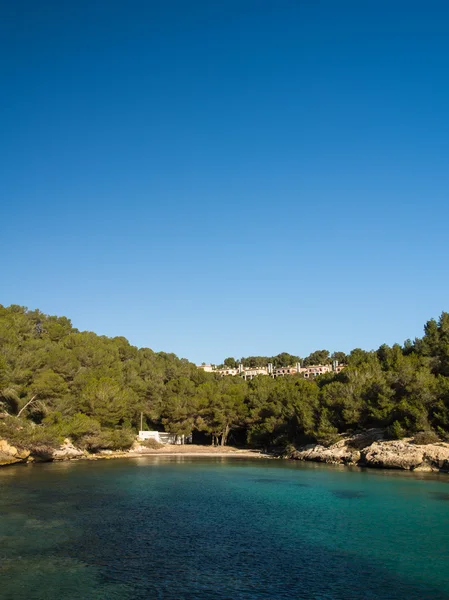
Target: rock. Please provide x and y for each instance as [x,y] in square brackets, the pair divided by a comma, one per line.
[437,456]
[369,449]
[10,455]
[6,448]
[136,447]
[364,439]
[23,454]
[67,451]
[405,455]
[7,459]
[335,454]
[395,454]
[42,453]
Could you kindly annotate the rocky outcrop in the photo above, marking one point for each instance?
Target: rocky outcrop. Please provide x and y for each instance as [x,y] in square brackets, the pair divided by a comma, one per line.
[369,449]
[346,451]
[403,454]
[436,456]
[333,455]
[67,451]
[10,455]
[392,455]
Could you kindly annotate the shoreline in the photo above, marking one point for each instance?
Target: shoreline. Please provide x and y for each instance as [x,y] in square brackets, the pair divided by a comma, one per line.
[10,455]
[165,453]
[367,450]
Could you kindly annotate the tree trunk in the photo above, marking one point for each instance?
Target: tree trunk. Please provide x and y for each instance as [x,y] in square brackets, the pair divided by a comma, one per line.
[27,404]
[224,436]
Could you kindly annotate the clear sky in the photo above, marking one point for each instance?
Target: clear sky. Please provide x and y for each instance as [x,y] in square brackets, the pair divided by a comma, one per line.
[227,178]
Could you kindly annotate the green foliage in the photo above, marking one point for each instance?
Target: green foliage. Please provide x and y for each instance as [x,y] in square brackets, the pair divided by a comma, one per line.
[426,437]
[221,407]
[230,362]
[93,389]
[76,428]
[108,439]
[284,359]
[106,400]
[26,434]
[319,357]
[340,357]
[396,431]
[326,433]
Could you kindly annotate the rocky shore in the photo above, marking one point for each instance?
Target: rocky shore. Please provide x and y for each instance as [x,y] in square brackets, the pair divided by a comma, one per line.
[10,455]
[367,449]
[370,449]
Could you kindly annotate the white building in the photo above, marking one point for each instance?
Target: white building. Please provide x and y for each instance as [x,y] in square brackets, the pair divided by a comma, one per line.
[206,368]
[315,370]
[248,373]
[161,437]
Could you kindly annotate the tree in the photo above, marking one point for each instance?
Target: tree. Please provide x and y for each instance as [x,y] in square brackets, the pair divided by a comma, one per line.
[284,359]
[180,406]
[340,357]
[221,407]
[105,400]
[93,388]
[230,362]
[319,357]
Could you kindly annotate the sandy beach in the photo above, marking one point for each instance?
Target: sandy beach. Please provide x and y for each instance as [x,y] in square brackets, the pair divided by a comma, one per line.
[189,450]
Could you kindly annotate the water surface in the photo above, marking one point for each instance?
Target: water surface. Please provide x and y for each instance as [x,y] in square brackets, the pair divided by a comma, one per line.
[221,528]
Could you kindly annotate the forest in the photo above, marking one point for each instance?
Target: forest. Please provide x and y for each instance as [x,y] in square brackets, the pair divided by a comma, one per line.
[58,382]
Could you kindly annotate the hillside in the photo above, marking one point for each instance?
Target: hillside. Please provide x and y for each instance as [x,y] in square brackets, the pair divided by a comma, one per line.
[57,382]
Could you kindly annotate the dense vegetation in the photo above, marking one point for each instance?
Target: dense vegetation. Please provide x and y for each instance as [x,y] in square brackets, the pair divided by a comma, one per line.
[284,359]
[57,382]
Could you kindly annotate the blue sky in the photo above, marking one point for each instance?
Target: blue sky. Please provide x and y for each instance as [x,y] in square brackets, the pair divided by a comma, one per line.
[227,179]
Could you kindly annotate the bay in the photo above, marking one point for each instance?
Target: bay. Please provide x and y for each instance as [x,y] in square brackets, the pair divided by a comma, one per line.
[221,528]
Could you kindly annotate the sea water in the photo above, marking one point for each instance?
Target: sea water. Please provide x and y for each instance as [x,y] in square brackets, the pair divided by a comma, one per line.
[221,528]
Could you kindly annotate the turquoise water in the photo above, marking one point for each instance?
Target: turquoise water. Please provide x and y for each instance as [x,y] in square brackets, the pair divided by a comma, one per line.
[155,528]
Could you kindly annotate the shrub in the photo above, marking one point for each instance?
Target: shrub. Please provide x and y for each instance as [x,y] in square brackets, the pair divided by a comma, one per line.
[25,434]
[426,437]
[288,450]
[396,431]
[153,444]
[443,434]
[121,439]
[108,439]
[326,433]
